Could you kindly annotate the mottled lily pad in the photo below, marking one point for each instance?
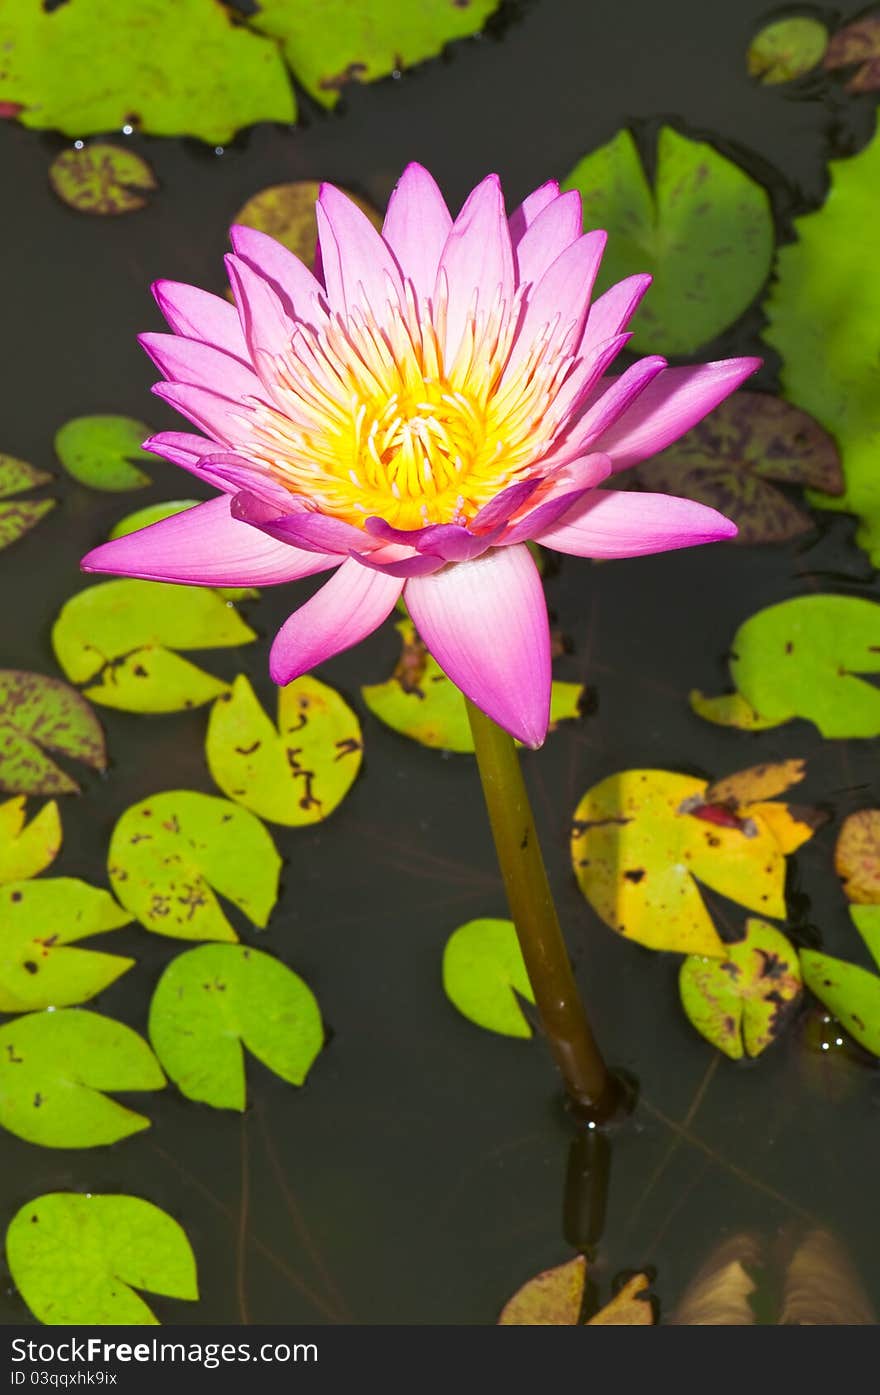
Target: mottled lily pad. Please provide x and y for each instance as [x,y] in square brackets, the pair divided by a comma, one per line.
[40,714]
[287,213]
[297,773]
[77,1259]
[483,971]
[169,854]
[102,178]
[213,1001]
[101,451]
[54,1067]
[40,919]
[742,1003]
[801,658]
[18,518]
[25,851]
[786,49]
[857,46]
[555,1298]
[705,232]
[728,460]
[857,857]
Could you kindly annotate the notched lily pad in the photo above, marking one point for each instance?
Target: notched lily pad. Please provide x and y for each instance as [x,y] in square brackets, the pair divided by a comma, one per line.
[76,1260]
[287,213]
[101,451]
[483,971]
[40,714]
[297,773]
[742,1003]
[27,851]
[857,46]
[555,1298]
[728,460]
[786,49]
[102,178]
[18,518]
[213,1001]
[705,232]
[169,854]
[802,658]
[54,1067]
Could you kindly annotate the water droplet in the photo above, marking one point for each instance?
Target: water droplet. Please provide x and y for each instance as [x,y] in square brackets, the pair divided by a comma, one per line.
[78,144]
[127,130]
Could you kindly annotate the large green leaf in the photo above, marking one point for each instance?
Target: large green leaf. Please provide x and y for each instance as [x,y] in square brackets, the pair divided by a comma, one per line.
[40,714]
[483,970]
[37,920]
[53,1068]
[18,518]
[27,851]
[213,1000]
[742,1003]
[173,67]
[824,319]
[705,233]
[802,658]
[76,1259]
[170,853]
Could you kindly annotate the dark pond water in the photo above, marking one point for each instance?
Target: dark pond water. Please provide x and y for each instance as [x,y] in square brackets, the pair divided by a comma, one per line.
[419,1176]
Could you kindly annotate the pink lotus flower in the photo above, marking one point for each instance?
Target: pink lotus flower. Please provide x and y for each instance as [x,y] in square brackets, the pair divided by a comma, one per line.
[412,415]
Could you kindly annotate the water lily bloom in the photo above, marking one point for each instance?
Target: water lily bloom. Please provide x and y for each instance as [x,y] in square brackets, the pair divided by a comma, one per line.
[412,414]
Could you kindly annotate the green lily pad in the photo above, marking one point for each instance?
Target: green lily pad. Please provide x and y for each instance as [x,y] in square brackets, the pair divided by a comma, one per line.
[102,178]
[848,991]
[27,851]
[170,853]
[297,773]
[76,1259]
[858,46]
[824,319]
[786,49]
[54,1067]
[101,451]
[705,232]
[482,966]
[18,518]
[40,714]
[125,632]
[212,1001]
[171,67]
[41,918]
[742,1003]
[801,658]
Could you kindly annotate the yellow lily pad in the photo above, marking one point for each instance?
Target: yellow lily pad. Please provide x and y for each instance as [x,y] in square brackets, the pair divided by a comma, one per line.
[27,851]
[554,1298]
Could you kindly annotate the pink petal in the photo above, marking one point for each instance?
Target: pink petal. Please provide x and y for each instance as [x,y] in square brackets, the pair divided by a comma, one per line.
[300,527]
[556,227]
[485,622]
[669,406]
[416,227]
[205,546]
[477,260]
[233,474]
[562,296]
[350,606]
[189,361]
[579,387]
[267,326]
[300,293]
[608,400]
[612,312]
[219,416]
[557,495]
[359,269]
[505,504]
[181,448]
[450,542]
[199,315]
[521,218]
[400,561]
[627,523]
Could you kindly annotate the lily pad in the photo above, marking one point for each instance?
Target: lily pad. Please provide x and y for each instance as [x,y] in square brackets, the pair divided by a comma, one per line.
[102,178]
[76,1260]
[40,714]
[169,854]
[18,518]
[212,1001]
[170,67]
[125,632]
[555,1298]
[857,46]
[41,918]
[483,971]
[786,49]
[643,840]
[848,991]
[705,232]
[101,451]
[742,1003]
[287,213]
[631,1307]
[297,773]
[824,320]
[801,658]
[27,851]
[728,460]
[54,1067]
[857,857]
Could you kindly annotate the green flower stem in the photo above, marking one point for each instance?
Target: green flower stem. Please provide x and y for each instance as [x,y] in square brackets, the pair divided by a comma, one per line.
[593,1091]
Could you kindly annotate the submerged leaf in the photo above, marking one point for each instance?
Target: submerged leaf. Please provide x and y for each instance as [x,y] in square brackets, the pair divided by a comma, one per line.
[801,658]
[18,518]
[551,1298]
[296,774]
[483,971]
[53,1068]
[168,852]
[287,213]
[27,851]
[705,232]
[719,1294]
[100,451]
[786,49]
[742,1003]
[102,178]
[857,46]
[76,1259]
[212,1001]
[822,1287]
[39,714]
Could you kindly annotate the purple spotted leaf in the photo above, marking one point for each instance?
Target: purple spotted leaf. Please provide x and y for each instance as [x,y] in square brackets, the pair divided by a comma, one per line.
[38,715]
[858,46]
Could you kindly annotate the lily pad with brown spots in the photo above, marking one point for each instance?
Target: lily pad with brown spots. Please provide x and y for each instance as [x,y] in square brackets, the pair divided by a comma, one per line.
[19,517]
[39,715]
[857,857]
[742,1003]
[103,179]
